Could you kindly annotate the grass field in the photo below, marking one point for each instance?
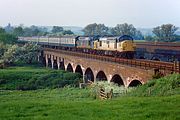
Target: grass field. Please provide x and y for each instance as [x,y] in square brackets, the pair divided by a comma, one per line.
[75,104]
[69,103]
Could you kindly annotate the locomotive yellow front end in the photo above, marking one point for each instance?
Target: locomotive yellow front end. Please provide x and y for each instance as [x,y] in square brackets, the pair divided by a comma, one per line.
[126,45]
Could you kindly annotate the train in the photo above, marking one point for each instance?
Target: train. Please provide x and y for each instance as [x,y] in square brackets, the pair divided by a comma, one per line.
[117,46]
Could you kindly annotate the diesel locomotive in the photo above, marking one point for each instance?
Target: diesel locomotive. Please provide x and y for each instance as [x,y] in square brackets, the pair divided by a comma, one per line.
[122,46]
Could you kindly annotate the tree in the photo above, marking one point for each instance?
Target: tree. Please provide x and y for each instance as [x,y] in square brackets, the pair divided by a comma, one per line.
[3,48]
[102,30]
[12,53]
[9,28]
[112,32]
[28,53]
[177,38]
[90,29]
[34,30]
[18,31]
[2,30]
[95,29]
[124,29]
[67,32]
[138,35]
[8,38]
[8,55]
[43,31]
[165,32]
[149,38]
[31,31]
[57,29]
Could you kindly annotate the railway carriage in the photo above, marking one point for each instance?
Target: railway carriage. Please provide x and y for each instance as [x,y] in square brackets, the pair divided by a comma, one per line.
[68,41]
[84,42]
[43,40]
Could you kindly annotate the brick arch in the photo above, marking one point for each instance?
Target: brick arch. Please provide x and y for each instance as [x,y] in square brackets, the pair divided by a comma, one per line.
[117,80]
[44,61]
[135,83]
[89,75]
[134,78]
[69,67]
[79,70]
[49,63]
[61,65]
[55,65]
[101,76]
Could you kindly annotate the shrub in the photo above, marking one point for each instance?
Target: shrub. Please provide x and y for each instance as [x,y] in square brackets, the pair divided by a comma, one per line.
[117,90]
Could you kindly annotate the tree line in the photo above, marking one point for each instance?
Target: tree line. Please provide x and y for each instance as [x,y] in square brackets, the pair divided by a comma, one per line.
[118,30]
[165,32]
[36,31]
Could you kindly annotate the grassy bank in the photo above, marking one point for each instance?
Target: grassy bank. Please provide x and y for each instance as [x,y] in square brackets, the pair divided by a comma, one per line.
[165,86]
[32,78]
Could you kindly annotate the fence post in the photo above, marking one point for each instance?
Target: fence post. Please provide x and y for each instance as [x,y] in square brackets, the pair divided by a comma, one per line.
[174,66]
[177,66]
[102,94]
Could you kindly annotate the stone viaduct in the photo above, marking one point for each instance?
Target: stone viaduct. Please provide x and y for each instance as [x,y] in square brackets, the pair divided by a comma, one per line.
[97,70]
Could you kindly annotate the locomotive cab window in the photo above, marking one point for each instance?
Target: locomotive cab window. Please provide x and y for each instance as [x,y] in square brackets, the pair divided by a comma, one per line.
[108,43]
[100,43]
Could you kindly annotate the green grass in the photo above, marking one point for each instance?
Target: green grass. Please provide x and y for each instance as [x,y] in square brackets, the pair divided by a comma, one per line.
[31,78]
[69,103]
[75,104]
[169,85]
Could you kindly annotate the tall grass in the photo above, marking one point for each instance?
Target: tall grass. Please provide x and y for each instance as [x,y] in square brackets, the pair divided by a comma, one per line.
[31,78]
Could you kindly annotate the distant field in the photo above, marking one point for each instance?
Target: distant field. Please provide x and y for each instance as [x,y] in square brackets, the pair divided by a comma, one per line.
[140,41]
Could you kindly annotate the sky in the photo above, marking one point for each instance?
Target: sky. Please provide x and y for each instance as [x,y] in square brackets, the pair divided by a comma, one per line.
[140,13]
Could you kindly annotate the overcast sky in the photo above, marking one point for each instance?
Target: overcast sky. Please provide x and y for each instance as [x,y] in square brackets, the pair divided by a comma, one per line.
[140,13]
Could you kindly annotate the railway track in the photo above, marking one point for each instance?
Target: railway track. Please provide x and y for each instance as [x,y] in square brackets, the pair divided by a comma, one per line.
[145,64]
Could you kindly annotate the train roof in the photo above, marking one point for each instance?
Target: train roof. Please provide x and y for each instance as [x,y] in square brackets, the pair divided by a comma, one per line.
[119,38]
[125,37]
[107,38]
[84,38]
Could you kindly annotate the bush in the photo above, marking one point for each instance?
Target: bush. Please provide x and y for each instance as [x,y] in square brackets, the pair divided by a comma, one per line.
[117,90]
